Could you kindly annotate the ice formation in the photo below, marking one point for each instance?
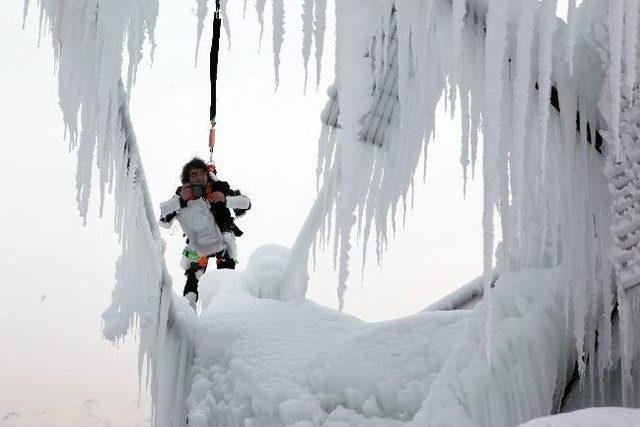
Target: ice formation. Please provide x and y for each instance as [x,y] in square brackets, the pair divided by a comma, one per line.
[88,40]
[544,95]
[266,362]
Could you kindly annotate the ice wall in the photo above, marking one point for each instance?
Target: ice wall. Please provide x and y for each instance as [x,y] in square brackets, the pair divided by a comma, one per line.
[510,67]
[624,184]
[89,38]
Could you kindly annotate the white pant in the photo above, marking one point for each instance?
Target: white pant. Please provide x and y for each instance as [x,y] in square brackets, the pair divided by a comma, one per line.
[229,243]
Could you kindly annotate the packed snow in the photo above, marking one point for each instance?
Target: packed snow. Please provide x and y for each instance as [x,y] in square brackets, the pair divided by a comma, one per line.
[260,361]
[85,412]
[591,417]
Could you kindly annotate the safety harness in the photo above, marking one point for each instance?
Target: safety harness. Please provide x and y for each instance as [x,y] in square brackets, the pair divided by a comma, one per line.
[223,260]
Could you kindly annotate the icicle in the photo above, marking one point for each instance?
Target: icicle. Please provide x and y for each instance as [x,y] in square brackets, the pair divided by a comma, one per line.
[503,194]
[626,309]
[360,217]
[577,256]
[410,61]
[260,10]
[134,43]
[25,12]
[458,13]
[571,34]
[464,151]
[278,36]
[476,102]
[616,25]
[630,44]
[494,63]
[457,17]
[425,158]
[296,275]
[452,99]
[372,201]
[605,361]
[330,152]
[41,24]
[404,210]
[201,14]
[314,254]
[522,91]
[151,10]
[225,22]
[336,246]
[323,143]
[547,28]
[447,101]
[318,35]
[343,272]
[307,29]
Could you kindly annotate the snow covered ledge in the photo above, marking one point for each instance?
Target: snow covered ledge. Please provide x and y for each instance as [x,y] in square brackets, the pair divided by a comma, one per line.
[267,362]
[591,417]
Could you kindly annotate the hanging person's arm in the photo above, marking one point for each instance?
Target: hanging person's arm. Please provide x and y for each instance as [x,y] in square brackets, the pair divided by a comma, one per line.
[169,209]
[238,202]
[232,198]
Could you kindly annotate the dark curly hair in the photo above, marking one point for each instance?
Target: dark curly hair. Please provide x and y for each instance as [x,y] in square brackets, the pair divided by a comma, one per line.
[195,163]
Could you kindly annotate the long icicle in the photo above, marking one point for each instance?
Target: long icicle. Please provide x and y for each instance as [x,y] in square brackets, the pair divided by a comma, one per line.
[494,63]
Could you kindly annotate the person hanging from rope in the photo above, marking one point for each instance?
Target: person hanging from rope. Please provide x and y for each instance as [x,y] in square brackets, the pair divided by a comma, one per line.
[202,205]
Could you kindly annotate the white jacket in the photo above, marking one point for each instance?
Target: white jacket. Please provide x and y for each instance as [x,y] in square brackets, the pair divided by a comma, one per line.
[198,222]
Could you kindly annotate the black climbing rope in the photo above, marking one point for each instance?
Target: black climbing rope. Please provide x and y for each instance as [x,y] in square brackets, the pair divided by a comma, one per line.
[213,75]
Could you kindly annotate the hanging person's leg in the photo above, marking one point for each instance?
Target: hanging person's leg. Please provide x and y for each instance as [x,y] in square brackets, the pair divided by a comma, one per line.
[197,269]
[193,277]
[193,274]
[224,260]
[190,291]
[194,269]
[230,243]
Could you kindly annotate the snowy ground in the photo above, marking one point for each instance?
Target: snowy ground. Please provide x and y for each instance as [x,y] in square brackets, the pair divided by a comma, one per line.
[591,417]
[264,362]
[116,412]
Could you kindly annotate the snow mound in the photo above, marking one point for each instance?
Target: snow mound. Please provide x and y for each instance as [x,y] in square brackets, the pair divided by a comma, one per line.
[591,417]
[262,362]
[265,271]
[262,278]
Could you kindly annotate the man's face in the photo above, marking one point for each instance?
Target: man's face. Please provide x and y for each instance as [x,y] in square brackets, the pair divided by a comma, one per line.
[198,176]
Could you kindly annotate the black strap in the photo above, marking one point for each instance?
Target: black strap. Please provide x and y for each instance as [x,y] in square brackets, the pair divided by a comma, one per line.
[213,61]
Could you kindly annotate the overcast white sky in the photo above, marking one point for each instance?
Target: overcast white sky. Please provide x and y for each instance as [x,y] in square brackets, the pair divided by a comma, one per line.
[56,276]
